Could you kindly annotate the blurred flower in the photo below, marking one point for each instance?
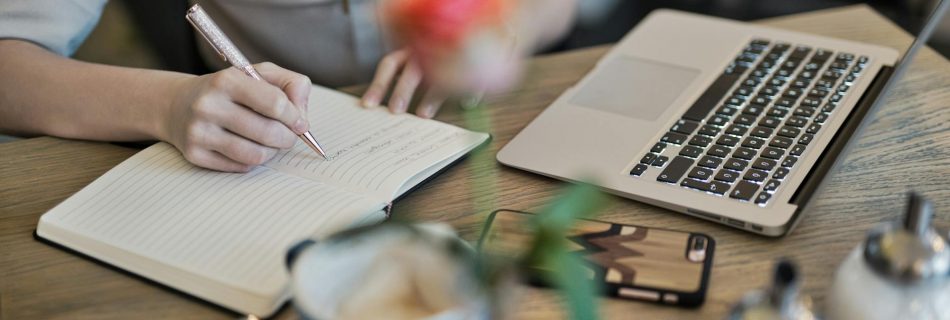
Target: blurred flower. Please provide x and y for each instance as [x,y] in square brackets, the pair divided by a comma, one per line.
[464,46]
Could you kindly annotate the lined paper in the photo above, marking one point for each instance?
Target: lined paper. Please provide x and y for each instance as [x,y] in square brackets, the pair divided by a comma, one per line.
[372,151]
[233,228]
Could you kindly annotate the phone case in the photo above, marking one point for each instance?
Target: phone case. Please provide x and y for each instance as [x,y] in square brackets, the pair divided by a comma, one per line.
[633,262]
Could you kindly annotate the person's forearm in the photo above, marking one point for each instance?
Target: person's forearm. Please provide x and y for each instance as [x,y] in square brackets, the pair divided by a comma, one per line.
[42,93]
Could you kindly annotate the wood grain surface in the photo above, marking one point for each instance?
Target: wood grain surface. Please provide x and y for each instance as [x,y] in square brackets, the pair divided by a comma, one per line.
[907,146]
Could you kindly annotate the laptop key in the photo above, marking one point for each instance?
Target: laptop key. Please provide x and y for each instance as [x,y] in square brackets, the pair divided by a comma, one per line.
[804,112]
[728,140]
[801,83]
[771,185]
[674,138]
[755,175]
[727,175]
[638,169]
[807,75]
[735,101]
[735,164]
[797,150]
[789,131]
[781,47]
[717,187]
[780,173]
[770,122]
[685,126]
[700,173]
[745,119]
[691,151]
[762,198]
[658,147]
[744,91]
[813,128]
[718,120]
[763,164]
[744,153]
[822,55]
[821,118]
[660,161]
[831,75]
[761,132]
[675,170]
[708,130]
[771,91]
[718,151]
[648,158]
[777,112]
[810,102]
[806,138]
[789,161]
[818,93]
[744,190]
[829,107]
[707,101]
[800,52]
[700,141]
[797,122]
[826,82]
[754,109]
[709,162]
[712,186]
[695,184]
[736,130]
[781,142]
[727,110]
[753,142]
[759,42]
[794,93]
[773,153]
[785,102]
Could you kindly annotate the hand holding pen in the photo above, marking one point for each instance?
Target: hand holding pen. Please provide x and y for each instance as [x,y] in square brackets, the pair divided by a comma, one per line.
[229,121]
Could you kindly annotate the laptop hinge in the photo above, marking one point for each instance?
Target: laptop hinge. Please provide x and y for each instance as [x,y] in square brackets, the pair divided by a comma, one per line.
[829,157]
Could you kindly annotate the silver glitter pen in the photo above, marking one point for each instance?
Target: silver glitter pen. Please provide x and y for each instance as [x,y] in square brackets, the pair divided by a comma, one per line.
[230,53]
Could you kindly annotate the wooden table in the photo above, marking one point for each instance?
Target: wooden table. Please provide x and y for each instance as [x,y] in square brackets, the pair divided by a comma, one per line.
[906,147]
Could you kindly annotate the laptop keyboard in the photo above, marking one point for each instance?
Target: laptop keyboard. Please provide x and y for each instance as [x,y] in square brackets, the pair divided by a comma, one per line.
[746,132]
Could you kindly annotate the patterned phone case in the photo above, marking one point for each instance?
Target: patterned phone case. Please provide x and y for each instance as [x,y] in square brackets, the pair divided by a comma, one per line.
[658,265]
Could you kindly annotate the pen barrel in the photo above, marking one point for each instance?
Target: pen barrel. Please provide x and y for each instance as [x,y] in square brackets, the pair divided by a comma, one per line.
[250,71]
[198,18]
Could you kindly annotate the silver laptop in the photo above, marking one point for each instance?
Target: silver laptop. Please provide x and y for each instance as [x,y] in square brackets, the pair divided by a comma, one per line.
[722,120]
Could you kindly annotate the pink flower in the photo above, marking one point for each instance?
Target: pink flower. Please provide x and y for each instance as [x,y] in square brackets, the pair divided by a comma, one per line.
[463,46]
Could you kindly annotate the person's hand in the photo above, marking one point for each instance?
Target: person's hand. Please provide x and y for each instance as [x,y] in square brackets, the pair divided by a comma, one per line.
[228,121]
[410,78]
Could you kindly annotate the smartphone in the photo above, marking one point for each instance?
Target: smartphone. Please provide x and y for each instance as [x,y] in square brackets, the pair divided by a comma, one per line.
[633,262]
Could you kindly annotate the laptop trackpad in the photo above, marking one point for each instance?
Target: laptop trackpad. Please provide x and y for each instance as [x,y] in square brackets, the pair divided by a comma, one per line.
[635,87]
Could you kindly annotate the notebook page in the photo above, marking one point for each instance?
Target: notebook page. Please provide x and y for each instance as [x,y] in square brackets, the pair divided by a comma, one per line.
[231,228]
[373,151]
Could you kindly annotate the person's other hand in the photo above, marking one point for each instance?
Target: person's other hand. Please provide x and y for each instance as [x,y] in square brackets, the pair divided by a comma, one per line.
[228,121]
[410,78]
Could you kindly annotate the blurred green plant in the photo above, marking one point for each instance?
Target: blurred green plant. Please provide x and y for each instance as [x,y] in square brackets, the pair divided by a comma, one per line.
[549,245]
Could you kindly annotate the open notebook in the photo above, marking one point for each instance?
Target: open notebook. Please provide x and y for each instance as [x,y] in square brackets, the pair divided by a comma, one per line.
[222,236]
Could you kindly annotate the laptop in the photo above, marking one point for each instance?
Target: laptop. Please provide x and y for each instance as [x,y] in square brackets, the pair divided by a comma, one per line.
[718,119]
